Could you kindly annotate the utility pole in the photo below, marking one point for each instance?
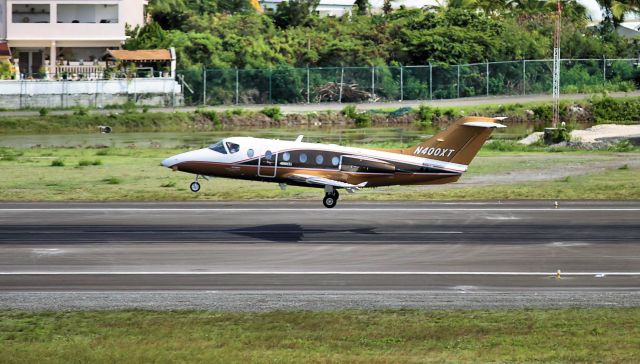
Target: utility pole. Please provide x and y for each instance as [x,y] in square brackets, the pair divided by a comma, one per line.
[556,67]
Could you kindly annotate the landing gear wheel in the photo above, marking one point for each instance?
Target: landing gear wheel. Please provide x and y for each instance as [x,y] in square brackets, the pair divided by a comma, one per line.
[336,195]
[330,200]
[194,186]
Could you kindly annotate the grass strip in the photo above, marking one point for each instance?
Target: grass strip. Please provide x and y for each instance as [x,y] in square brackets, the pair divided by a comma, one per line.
[610,335]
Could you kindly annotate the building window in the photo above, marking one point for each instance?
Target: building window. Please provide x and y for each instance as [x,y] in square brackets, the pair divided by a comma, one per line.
[30,13]
[319,159]
[87,13]
[303,158]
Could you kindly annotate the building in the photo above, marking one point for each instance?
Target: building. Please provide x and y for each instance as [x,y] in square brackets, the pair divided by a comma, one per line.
[324,8]
[629,29]
[47,36]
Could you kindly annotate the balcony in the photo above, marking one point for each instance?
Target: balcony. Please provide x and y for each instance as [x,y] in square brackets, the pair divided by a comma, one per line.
[60,21]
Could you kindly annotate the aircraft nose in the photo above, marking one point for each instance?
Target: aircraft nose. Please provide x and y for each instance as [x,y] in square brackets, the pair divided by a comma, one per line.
[170,162]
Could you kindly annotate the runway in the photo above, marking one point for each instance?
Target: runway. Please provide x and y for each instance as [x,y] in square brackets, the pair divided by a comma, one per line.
[282,253]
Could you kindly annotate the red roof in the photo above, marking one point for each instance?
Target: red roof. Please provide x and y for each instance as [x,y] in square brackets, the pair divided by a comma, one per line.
[4,49]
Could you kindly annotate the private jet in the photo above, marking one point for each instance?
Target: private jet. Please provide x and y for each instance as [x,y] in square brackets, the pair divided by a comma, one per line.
[438,160]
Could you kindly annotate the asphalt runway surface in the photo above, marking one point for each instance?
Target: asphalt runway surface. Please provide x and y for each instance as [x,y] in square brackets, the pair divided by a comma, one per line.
[281,254]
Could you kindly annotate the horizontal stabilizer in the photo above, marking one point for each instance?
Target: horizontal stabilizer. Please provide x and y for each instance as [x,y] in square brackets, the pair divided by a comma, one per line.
[484,124]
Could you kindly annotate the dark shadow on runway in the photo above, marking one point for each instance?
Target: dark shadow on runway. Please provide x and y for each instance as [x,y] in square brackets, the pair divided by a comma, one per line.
[507,234]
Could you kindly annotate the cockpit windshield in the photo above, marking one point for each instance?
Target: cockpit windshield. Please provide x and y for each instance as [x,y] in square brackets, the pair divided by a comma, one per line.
[218,147]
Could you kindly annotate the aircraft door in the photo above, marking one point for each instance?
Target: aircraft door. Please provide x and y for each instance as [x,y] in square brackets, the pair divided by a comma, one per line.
[268,164]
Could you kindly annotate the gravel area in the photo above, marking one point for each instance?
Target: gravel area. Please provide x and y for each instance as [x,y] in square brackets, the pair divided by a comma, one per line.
[460,298]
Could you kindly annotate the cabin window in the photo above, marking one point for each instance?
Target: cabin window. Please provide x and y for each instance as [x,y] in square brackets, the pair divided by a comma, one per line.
[268,155]
[335,161]
[233,147]
[286,156]
[319,159]
[250,153]
[303,158]
[218,147]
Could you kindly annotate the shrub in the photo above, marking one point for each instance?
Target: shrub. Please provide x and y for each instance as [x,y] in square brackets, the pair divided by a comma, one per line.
[426,115]
[57,163]
[129,107]
[360,119]
[622,146]
[273,112]
[112,180]
[81,111]
[84,163]
[43,111]
[211,115]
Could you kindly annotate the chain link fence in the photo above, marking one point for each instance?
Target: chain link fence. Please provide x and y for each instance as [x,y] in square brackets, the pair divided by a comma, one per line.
[427,82]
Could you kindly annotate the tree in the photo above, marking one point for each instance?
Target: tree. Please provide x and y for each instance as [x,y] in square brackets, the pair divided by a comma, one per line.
[362,7]
[294,13]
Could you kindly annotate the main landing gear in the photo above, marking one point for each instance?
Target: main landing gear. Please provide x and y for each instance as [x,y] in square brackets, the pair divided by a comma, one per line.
[331,199]
[195,186]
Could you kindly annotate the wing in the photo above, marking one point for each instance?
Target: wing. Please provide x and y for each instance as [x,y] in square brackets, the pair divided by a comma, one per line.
[314,180]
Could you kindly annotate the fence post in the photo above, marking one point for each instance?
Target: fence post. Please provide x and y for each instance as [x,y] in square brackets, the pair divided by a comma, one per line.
[204,86]
[237,86]
[308,95]
[270,72]
[487,77]
[524,77]
[430,81]
[458,80]
[341,83]
[401,84]
[604,68]
[373,83]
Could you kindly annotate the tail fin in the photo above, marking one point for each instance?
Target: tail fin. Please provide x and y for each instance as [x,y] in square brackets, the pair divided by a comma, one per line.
[459,143]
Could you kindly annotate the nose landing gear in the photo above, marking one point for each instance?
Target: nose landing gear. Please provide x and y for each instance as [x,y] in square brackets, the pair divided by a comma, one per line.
[195,186]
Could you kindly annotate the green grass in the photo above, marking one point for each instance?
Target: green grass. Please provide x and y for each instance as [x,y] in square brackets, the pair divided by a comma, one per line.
[609,335]
[127,174]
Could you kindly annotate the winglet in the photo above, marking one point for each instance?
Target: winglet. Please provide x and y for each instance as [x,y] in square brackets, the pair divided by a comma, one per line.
[299,138]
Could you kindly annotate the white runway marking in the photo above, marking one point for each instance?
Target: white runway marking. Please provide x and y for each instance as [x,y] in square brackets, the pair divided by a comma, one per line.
[372,209]
[319,273]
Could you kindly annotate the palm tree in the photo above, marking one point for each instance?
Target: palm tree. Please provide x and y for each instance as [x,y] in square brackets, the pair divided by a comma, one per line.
[614,11]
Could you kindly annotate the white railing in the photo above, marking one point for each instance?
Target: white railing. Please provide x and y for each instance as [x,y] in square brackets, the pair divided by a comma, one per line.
[84,71]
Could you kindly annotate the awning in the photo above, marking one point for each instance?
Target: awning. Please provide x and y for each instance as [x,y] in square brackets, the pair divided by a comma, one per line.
[140,55]
[5,51]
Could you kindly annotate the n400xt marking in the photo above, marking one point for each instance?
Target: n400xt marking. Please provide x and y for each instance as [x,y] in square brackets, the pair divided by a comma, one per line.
[440,159]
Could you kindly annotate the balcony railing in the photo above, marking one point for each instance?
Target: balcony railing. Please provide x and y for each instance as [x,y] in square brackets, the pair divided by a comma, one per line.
[85,71]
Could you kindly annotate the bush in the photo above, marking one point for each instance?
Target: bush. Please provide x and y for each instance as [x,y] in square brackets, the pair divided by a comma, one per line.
[607,109]
[81,111]
[360,119]
[57,163]
[211,115]
[622,146]
[84,162]
[43,111]
[112,180]
[129,107]
[426,115]
[273,112]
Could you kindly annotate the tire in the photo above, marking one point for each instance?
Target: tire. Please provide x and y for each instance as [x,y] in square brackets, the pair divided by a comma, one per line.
[194,187]
[329,201]
[336,195]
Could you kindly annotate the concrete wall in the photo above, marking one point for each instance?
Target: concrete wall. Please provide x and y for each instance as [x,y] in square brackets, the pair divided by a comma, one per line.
[64,94]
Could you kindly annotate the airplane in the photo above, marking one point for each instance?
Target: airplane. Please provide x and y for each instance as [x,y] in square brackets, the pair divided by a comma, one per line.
[438,160]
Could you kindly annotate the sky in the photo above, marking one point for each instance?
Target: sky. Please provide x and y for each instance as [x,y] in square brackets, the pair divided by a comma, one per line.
[591,5]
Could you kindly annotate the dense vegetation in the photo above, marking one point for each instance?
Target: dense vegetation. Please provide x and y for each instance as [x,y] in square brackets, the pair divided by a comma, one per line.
[229,34]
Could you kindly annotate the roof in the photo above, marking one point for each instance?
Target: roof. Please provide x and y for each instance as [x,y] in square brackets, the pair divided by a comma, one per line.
[141,55]
[631,25]
[4,49]
[322,2]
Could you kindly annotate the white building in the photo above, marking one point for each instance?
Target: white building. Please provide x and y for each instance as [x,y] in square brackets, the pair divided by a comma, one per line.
[629,29]
[325,8]
[53,34]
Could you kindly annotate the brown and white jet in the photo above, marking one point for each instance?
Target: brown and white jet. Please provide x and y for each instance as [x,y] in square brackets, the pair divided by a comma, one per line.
[440,159]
